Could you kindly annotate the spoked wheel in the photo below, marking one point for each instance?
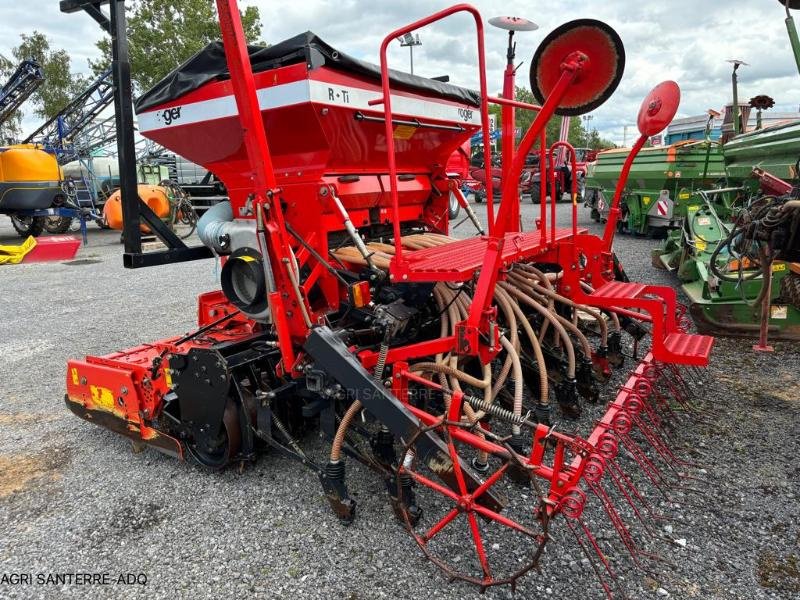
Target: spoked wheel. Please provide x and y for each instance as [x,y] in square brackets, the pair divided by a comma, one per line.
[215,454]
[502,547]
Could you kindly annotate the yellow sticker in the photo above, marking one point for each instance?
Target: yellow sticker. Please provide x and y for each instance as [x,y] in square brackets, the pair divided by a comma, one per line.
[646,199]
[778,266]
[693,208]
[404,132]
[102,397]
[700,245]
[684,195]
[168,377]
[245,258]
[75,378]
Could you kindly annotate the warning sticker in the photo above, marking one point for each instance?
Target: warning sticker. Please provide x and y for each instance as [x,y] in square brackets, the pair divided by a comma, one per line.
[700,245]
[646,199]
[704,220]
[404,132]
[102,397]
[684,196]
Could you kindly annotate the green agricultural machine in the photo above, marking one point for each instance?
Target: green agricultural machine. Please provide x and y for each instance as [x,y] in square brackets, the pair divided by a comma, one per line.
[733,221]
[662,187]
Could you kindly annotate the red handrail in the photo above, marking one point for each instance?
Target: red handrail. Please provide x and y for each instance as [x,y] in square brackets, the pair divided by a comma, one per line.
[574,191]
[387,103]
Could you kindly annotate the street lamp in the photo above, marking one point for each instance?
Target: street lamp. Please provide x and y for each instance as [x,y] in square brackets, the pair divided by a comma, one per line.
[410,41]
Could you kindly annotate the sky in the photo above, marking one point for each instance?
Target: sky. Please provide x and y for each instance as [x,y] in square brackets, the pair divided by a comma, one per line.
[688,41]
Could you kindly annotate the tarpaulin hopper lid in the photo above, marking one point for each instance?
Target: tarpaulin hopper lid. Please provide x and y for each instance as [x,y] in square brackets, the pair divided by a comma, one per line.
[210,64]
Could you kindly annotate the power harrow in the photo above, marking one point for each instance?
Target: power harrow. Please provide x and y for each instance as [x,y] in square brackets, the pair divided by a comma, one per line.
[443,364]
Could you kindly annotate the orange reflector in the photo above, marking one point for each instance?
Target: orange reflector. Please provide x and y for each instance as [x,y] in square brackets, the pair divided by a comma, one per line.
[359,294]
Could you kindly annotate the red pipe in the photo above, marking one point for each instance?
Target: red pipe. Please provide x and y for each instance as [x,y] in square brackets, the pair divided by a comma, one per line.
[613,213]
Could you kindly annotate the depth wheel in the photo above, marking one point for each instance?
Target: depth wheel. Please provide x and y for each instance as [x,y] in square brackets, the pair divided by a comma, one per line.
[218,453]
[501,548]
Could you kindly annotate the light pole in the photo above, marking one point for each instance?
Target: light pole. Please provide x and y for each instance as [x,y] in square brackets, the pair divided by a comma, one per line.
[410,41]
[737,117]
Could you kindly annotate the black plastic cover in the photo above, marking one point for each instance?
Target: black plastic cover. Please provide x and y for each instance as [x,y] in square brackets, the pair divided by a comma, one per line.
[210,64]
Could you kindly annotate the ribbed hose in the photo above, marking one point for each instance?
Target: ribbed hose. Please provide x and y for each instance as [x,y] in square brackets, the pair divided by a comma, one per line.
[517,380]
[549,291]
[338,440]
[584,342]
[544,395]
[355,407]
[562,332]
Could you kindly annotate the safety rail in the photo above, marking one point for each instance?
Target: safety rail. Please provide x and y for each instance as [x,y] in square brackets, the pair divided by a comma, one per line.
[387,104]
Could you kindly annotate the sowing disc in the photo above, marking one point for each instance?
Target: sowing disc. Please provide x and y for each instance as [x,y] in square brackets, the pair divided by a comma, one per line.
[659,108]
[600,75]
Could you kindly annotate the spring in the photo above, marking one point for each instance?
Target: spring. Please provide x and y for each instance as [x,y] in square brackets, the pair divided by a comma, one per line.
[497,411]
[381,364]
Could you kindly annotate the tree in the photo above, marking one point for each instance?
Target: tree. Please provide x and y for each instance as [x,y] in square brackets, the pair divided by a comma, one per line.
[164,33]
[60,85]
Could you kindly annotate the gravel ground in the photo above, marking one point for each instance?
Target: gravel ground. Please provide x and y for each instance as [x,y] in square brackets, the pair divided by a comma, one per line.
[75,498]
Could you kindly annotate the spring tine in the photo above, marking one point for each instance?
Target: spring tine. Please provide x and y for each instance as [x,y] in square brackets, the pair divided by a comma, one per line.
[670,455]
[626,494]
[595,546]
[635,491]
[652,473]
[622,529]
[658,445]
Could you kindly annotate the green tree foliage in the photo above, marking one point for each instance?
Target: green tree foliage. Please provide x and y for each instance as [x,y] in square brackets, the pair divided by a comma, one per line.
[60,85]
[579,136]
[164,33]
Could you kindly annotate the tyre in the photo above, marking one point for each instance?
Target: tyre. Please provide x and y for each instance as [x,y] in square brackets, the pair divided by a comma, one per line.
[26,226]
[790,289]
[536,190]
[453,207]
[57,224]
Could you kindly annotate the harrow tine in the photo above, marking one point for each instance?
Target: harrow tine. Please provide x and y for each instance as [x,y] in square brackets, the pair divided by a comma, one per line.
[621,528]
[617,471]
[627,495]
[592,562]
[647,467]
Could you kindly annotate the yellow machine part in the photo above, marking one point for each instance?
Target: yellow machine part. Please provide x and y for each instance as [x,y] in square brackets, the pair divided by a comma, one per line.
[28,162]
[12,255]
[154,196]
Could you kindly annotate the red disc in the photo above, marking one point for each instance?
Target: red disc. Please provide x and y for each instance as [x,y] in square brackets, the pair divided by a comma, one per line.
[601,72]
[659,108]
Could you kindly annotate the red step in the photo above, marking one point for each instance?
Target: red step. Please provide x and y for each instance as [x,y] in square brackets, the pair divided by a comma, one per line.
[622,290]
[689,348]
